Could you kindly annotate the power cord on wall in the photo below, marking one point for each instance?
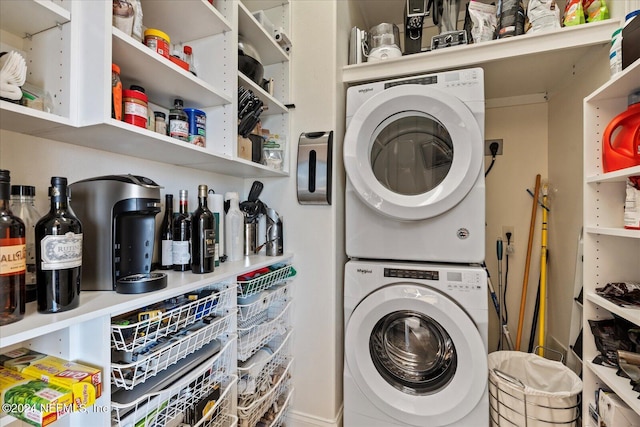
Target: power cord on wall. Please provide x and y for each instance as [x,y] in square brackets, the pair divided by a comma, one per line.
[493,147]
[506,276]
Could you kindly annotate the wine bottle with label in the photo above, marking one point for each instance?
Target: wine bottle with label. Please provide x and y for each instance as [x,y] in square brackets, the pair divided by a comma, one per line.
[166,235]
[13,255]
[58,253]
[182,235]
[203,239]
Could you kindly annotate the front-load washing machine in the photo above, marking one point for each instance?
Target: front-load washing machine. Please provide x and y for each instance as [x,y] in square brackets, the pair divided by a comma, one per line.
[415,345]
[414,155]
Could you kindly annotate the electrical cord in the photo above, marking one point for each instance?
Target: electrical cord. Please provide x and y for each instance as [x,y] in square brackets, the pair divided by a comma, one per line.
[494,147]
[506,278]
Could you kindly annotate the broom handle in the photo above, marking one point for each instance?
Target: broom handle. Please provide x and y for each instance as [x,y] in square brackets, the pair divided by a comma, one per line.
[525,280]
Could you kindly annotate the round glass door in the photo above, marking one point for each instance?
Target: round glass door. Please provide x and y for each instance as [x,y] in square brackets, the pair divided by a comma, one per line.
[411,153]
[413,352]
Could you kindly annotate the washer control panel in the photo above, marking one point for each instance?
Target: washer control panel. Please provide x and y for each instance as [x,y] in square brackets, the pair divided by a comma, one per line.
[453,280]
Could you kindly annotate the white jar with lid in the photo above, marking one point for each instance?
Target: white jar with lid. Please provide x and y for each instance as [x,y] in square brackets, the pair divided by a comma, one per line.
[615,52]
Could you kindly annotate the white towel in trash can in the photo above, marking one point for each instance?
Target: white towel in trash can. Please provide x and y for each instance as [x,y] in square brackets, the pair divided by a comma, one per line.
[550,389]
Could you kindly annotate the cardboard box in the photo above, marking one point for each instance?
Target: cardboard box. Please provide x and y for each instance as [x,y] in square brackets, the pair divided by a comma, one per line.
[614,412]
[32,400]
[84,381]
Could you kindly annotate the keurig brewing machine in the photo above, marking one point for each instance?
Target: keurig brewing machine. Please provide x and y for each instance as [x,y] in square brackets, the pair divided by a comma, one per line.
[118,214]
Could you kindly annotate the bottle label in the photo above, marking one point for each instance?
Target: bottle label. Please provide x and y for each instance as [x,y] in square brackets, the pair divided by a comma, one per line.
[181,253]
[13,256]
[60,252]
[179,129]
[167,253]
[209,243]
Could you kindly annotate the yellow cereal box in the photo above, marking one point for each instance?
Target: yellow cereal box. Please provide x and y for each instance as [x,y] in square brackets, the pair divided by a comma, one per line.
[31,400]
[84,381]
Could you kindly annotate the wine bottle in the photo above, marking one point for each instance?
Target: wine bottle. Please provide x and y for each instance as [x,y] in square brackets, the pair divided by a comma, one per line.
[182,235]
[203,238]
[166,235]
[13,255]
[58,252]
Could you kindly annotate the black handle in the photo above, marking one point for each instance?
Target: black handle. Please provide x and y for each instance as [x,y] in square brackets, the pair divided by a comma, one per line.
[312,171]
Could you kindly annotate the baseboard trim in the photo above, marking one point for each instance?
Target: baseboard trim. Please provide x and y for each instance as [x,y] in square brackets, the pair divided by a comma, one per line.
[299,419]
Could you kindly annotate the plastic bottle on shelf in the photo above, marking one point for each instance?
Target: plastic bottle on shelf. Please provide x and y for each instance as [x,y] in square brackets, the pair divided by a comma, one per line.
[23,206]
[234,228]
[188,58]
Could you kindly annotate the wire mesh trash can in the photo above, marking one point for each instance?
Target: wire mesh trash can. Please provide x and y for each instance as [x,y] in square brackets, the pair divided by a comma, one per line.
[526,390]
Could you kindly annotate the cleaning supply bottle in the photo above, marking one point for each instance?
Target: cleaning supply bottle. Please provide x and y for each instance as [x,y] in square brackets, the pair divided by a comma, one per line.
[234,228]
[621,138]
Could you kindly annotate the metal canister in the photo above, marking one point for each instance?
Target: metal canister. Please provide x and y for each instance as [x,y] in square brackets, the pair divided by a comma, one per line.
[197,126]
[274,246]
[250,237]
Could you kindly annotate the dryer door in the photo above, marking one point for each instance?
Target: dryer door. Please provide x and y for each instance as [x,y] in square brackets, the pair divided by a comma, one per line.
[413,152]
[416,355]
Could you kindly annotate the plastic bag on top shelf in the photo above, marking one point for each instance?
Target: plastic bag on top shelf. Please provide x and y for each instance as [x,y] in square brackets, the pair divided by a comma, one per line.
[544,15]
[595,10]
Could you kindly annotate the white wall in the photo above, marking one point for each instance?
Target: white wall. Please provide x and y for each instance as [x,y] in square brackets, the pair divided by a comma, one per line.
[314,232]
[523,129]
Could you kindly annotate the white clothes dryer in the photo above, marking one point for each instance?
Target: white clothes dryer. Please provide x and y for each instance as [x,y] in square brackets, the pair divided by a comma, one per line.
[415,345]
[414,156]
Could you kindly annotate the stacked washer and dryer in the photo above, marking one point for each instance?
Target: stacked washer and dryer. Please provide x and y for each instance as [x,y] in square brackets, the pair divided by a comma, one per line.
[415,296]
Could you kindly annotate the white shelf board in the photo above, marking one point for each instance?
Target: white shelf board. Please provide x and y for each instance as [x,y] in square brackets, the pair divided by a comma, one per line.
[272,105]
[612,231]
[191,21]
[618,385]
[509,64]
[140,65]
[620,85]
[18,118]
[123,138]
[254,5]
[268,49]
[43,14]
[615,176]
[94,304]
[630,314]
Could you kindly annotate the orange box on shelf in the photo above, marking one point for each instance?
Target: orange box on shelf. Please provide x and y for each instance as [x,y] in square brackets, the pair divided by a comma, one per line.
[179,62]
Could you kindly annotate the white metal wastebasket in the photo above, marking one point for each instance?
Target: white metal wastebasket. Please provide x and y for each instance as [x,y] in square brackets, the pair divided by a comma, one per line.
[526,390]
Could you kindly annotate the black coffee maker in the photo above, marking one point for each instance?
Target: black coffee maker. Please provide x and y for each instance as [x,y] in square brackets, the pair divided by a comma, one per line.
[118,216]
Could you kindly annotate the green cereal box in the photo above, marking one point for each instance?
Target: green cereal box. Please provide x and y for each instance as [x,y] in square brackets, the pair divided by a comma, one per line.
[31,400]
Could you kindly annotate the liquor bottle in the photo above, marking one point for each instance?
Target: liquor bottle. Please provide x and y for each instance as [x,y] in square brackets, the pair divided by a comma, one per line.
[58,252]
[166,235]
[234,229]
[182,235]
[23,206]
[203,238]
[13,250]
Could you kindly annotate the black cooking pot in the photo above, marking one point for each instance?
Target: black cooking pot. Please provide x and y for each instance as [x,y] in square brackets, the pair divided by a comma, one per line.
[249,62]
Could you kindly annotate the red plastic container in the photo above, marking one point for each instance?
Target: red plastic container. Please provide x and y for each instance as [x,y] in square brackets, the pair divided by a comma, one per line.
[135,107]
[621,138]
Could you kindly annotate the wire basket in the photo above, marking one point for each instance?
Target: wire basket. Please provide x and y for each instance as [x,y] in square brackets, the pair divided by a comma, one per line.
[138,335]
[546,394]
[247,312]
[180,346]
[159,408]
[283,410]
[276,395]
[251,338]
[257,377]
[265,281]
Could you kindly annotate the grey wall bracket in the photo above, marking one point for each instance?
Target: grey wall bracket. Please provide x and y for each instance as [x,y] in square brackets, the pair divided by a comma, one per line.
[315,151]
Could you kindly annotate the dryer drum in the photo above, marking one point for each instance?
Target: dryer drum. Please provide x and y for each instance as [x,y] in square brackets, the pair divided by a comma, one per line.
[412,352]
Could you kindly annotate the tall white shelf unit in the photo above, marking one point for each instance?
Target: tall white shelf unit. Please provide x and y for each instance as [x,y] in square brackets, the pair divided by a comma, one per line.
[69,47]
[611,252]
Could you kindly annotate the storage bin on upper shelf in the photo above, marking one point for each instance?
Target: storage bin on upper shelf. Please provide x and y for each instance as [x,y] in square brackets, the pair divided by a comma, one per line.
[248,27]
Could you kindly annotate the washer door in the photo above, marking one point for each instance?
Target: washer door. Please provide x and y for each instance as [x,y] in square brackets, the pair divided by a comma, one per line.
[416,355]
[413,152]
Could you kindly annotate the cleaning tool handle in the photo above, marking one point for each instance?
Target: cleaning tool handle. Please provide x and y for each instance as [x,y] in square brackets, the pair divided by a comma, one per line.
[499,249]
